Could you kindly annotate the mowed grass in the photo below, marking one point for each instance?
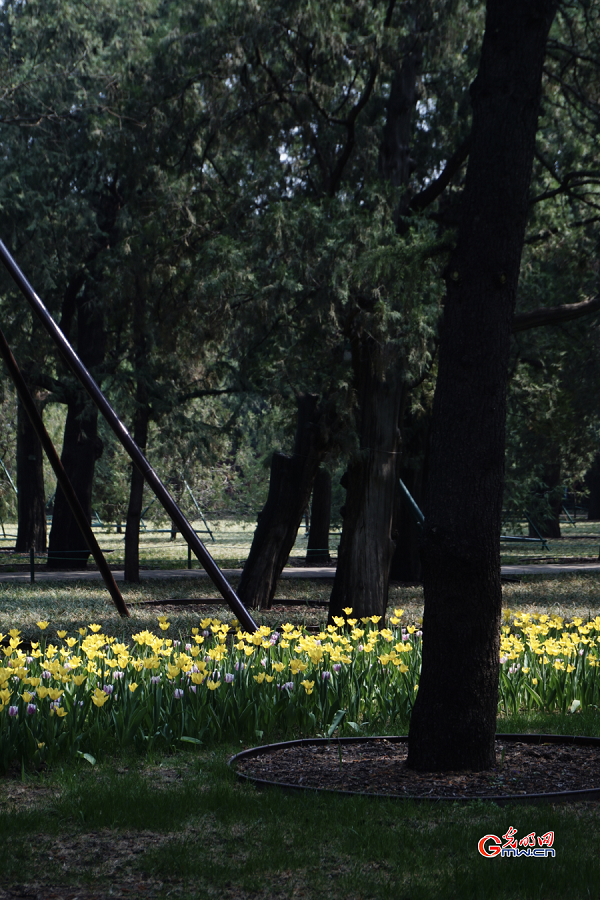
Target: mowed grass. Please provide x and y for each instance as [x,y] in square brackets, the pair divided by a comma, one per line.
[71,605]
[228,542]
[181,825]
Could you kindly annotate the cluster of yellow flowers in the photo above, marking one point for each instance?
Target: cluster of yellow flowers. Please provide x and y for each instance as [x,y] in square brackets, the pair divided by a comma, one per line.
[98,657]
[549,638]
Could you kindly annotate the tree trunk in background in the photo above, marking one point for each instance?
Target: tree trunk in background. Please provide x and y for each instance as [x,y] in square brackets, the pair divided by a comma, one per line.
[366,546]
[546,515]
[406,561]
[136,494]
[592,482]
[453,722]
[31,501]
[81,448]
[290,486]
[317,552]
[140,436]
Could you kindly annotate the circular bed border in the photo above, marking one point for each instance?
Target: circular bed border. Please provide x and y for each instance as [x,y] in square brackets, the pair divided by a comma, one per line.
[499,800]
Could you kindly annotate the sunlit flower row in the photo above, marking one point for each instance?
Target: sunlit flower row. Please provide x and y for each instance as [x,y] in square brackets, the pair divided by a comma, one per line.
[92,692]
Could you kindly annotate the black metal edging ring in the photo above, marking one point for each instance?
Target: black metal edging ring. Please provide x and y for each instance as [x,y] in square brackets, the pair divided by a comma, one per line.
[499,800]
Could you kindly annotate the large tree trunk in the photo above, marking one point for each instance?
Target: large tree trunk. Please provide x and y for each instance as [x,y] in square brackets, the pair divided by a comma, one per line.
[31,501]
[317,551]
[81,448]
[366,545]
[454,718]
[291,483]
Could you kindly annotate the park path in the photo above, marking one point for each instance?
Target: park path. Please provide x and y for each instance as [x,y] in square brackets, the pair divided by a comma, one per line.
[309,572]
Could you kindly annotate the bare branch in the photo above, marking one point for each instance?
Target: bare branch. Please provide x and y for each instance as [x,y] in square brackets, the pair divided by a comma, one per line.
[555,315]
[433,190]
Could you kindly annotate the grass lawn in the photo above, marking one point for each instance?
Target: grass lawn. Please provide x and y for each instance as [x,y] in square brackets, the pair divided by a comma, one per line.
[233,537]
[180,825]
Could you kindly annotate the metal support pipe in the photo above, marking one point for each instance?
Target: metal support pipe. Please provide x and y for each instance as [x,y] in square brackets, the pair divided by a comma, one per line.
[136,455]
[61,477]
[417,515]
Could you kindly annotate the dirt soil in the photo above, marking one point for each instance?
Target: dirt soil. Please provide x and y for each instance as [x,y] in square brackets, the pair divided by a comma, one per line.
[379,767]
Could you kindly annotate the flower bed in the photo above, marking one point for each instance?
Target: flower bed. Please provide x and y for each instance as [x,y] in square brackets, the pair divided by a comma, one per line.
[93,693]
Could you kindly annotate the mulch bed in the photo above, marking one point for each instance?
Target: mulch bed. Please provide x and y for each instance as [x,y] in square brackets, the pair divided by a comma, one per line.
[378,767]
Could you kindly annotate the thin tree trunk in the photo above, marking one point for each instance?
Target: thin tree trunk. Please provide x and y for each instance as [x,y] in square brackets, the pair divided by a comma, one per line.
[136,495]
[592,481]
[290,485]
[140,436]
[453,722]
[317,552]
[31,501]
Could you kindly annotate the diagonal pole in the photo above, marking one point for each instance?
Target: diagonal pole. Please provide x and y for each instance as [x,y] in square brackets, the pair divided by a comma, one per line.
[61,476]
[136,455]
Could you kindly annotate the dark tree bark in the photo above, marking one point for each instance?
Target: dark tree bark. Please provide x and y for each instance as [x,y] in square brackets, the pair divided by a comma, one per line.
[406,561]
[290,485]
[31,501]
[366,546]
[81,448]
[140,436]
[545,515]
[592,482]
[317,551]
[454,718]
[136,492]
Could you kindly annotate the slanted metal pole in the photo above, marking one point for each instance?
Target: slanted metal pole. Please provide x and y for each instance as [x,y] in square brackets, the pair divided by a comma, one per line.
[7,473]
[61,477]
[201,514]
[416,512]
[138,458]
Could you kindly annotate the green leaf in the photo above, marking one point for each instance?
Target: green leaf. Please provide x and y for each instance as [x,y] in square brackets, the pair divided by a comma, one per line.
[336,721]
[88,757]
